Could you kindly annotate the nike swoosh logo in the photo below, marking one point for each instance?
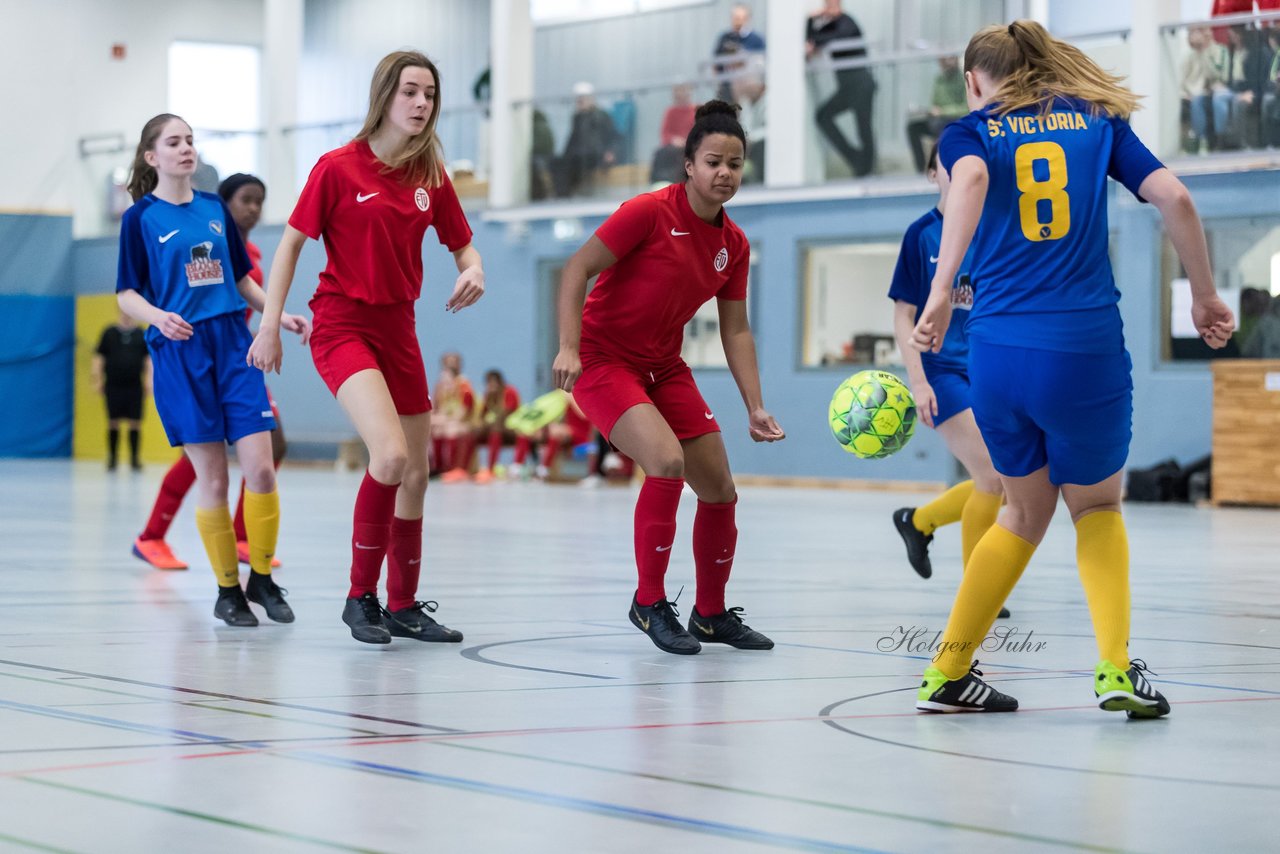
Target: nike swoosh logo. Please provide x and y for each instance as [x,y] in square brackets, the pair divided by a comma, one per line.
[366,548]
[675,233]
[933,259]
[644,624]
[412,562]
[165,238]
[707,415]
[724,559]
[662,549]
[706,630]
[360,197]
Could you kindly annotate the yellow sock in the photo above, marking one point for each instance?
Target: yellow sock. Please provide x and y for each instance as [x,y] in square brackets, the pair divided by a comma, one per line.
[1102,552]
[995,567]
[979,514]
[219,539]
[944,509]
[262,524]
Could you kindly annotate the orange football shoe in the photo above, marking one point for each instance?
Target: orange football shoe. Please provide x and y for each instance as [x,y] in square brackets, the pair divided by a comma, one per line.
[157,553]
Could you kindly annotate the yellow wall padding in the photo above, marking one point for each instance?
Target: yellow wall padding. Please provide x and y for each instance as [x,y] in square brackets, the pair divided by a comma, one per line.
[89,436]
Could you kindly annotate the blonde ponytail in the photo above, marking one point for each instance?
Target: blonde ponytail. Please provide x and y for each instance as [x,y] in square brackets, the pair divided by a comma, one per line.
[1032,68]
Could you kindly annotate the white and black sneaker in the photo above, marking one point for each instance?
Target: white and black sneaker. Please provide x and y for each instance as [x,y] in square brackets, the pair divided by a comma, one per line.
[967,694]
[1128,690]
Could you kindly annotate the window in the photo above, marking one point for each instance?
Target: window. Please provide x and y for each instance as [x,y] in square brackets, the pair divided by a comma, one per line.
[847,314]
[1245,255]
[215,88]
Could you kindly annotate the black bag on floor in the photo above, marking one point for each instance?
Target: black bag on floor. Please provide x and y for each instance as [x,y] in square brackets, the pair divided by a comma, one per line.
[1160,482]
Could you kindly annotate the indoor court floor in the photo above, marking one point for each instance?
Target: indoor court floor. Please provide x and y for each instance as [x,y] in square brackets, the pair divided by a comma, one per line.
[132,720]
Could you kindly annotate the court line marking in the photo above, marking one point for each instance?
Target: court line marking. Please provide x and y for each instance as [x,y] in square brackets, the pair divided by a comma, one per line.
[222,696]
[36,846]
[810,802]
[833,721]
[202,816]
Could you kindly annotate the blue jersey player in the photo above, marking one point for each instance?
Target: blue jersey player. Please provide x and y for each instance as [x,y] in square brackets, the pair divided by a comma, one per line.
[1051,385]
[940,385]
[184,269]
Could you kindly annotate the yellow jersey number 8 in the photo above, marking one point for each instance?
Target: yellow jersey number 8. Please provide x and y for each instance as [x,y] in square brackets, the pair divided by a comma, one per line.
[1052,189]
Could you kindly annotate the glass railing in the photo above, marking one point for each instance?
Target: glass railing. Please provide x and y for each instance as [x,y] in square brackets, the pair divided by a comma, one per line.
[105,160]
[1222,77]
[615,144]
[878,116]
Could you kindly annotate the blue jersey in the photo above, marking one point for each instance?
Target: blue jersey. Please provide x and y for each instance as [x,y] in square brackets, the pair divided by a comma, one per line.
[183,258]
[912,281]
[1040,251]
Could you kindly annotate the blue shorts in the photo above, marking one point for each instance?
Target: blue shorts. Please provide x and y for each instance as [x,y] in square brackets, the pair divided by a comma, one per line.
[204,391]
[1072,411]
[951,388]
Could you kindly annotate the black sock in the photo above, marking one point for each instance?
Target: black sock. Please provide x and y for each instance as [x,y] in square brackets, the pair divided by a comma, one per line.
[133,445]
[113,440]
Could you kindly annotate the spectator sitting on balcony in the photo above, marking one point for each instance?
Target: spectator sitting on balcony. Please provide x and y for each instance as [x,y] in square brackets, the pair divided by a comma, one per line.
[739,38]
[1204,74]
[947,104]
[668,159]
[1248,61]
[541,157]
[592,145]
[1271,93]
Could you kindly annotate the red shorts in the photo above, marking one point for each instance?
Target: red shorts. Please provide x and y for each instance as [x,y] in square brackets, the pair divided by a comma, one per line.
[349,336]
[607,389]
[579,427]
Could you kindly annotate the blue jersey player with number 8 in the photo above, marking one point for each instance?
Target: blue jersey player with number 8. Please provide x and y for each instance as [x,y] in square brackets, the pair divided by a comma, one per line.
[1051,385]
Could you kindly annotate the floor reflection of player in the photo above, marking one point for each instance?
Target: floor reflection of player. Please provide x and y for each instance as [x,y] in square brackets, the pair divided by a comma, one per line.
[659,258]
[940,386]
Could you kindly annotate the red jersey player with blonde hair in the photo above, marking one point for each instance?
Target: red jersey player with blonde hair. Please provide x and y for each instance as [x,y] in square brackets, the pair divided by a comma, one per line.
[660,257]
[371,201]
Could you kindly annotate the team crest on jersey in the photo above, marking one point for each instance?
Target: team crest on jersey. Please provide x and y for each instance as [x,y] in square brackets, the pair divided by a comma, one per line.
[421,198]
[722,259]
[215,225]
[204,269]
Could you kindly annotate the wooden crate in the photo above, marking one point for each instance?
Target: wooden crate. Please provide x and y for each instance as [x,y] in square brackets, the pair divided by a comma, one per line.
[1246,431]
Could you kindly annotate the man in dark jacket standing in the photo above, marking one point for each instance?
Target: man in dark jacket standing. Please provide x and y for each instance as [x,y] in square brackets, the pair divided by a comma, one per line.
[855,87]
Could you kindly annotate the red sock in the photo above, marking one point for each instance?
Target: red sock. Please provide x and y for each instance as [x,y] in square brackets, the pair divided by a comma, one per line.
[175,486]
[549,455]
[375,505]
[714,538]
[495,448]
[523,447]
[437,454]
[655,532]
[404,562]
[466,447]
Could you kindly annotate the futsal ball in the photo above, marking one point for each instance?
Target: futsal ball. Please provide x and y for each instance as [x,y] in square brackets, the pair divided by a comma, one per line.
[872,415]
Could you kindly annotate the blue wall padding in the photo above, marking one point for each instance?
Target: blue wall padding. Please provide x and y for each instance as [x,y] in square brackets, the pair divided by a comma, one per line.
[37,346]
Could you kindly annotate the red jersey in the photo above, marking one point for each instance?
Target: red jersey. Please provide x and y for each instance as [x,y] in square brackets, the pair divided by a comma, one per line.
[510,403]
[255,272]
[373,224]
[670,262]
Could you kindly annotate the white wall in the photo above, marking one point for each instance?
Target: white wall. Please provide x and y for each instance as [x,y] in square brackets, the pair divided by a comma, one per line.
[60,84]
